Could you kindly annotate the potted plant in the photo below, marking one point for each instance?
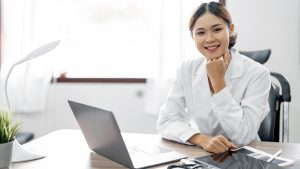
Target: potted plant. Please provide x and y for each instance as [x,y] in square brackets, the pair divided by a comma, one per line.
[9,128]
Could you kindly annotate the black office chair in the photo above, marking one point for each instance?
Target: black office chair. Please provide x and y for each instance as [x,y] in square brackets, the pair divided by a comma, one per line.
[279,96]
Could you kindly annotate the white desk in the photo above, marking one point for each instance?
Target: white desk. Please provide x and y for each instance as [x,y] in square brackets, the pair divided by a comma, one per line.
[67,149]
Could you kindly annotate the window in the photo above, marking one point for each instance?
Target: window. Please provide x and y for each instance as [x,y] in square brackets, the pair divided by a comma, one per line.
[113,38]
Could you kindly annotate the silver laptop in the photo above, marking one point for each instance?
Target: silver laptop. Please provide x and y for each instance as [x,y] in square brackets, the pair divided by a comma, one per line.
[103,136]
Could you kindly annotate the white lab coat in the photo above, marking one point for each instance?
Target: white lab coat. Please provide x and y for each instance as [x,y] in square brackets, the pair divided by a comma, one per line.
[235,112]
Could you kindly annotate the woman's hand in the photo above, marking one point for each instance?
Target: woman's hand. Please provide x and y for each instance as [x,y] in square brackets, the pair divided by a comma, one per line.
[216,69]
[217,144]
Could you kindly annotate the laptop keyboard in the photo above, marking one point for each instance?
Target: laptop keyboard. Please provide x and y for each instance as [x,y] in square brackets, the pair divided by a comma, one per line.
[135,151]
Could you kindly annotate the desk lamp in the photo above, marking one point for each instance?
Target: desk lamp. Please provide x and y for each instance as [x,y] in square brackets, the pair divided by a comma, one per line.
[20,153]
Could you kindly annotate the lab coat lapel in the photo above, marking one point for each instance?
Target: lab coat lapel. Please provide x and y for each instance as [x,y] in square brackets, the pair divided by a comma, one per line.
[235,68]
[201,90]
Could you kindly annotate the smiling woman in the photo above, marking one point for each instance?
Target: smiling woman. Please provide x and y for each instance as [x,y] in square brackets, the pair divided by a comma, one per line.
[219,100]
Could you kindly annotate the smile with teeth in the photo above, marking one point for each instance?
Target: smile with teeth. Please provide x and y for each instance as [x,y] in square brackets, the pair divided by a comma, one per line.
[211,48]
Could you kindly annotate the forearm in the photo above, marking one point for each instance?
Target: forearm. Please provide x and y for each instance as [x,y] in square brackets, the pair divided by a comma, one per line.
[198,139]
[175,130]
[216,144]
[218,86]
[240,121]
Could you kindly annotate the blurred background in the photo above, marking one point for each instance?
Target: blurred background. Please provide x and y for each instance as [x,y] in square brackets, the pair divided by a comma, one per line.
[121,55]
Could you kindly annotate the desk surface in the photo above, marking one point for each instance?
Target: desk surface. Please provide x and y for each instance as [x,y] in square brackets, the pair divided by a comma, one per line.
[68,149]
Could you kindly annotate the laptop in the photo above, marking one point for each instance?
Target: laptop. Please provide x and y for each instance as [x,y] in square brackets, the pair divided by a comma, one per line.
[103,136]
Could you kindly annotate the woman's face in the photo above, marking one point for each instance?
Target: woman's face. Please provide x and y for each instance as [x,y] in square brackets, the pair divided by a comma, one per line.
[211,35]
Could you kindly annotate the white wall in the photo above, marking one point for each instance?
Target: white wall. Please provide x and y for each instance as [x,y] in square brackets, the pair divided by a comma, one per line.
[273,24]
[125,100]
[260,24]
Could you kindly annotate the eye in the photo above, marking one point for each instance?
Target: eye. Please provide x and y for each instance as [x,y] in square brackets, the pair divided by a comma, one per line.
[217,29]
[201,33]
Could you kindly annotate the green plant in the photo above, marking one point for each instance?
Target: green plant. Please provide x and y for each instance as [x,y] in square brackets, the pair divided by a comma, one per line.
[9,127]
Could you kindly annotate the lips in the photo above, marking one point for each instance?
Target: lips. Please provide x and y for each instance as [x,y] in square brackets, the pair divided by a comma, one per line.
[212,48]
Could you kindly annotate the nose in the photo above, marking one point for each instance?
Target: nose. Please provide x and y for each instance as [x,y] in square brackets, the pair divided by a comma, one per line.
[210,37]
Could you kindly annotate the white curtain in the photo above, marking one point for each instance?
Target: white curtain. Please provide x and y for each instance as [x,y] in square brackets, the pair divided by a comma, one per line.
[28,83]
[176,46]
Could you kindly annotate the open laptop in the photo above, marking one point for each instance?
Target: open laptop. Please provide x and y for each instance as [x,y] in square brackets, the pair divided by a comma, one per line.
[103,136]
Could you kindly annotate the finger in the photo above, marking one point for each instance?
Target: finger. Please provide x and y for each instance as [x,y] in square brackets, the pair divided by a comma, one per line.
[233,146]
[218,147]
[209,60]
[226,141]
[226,58]
[213,148]
[229,143]
[223,60]
[220,58]
[223,146]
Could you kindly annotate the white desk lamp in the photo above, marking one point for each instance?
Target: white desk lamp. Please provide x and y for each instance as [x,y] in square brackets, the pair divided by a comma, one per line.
[20,153]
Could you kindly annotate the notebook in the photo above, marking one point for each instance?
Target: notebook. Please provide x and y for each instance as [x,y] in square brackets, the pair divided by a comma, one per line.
[103,136]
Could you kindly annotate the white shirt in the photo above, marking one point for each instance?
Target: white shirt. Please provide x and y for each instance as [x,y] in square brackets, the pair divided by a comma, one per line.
[234,112]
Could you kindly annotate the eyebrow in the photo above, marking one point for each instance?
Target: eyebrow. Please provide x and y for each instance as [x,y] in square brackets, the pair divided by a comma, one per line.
[215,25]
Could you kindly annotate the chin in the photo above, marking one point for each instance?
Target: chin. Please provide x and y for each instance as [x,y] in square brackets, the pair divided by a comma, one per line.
[213,55]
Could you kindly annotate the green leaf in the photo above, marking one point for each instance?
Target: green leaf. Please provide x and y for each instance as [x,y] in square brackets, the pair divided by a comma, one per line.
[9,126]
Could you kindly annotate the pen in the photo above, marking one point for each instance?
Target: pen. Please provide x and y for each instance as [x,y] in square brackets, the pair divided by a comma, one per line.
[274,156]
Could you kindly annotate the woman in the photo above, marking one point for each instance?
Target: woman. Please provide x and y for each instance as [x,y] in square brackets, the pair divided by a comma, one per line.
[217,101]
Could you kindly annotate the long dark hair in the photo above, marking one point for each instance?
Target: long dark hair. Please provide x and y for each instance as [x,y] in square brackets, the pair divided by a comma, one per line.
[218,10]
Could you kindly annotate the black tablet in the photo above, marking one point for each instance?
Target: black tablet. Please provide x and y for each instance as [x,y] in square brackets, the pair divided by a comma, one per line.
[240,159]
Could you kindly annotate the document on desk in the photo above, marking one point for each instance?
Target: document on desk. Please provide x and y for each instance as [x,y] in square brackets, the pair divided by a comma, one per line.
[245,157]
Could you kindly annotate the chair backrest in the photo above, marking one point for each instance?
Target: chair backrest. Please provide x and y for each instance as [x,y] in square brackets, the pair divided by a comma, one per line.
[269,127]
[279,93]
[260,56]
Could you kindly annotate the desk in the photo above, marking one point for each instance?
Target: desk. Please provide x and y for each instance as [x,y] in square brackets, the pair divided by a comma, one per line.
[68,149]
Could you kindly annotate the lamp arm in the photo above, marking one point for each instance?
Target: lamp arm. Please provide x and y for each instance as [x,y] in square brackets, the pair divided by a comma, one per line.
[5,84]
[37,52]
[21,153]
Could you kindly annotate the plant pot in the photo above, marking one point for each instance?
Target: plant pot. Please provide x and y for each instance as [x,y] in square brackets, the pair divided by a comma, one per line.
[6,154]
